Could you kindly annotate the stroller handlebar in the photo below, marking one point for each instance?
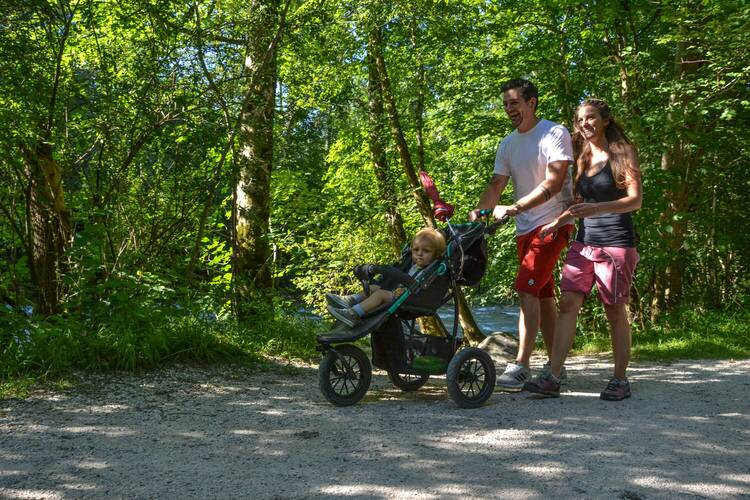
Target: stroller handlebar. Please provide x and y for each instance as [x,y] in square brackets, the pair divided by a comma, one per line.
[367,271]
[492,228]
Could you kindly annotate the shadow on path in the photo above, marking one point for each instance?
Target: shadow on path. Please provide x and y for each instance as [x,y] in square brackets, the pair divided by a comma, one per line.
[226,432]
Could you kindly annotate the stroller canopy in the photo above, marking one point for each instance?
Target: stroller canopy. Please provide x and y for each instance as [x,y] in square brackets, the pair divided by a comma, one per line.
[466,253]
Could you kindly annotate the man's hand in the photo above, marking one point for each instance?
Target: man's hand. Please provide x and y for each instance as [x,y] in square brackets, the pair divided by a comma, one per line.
[498,212]
[501,211]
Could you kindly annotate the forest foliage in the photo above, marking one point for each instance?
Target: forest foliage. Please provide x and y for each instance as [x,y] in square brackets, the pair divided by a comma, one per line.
[179,177]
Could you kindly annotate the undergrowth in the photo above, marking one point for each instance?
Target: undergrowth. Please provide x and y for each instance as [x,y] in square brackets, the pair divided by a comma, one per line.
[141,336]
[685,334]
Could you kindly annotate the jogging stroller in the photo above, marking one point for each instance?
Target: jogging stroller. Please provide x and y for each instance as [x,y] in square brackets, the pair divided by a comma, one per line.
[408,355]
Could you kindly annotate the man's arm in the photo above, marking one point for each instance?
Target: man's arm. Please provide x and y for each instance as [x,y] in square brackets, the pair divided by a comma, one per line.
[491,195]
[551,185]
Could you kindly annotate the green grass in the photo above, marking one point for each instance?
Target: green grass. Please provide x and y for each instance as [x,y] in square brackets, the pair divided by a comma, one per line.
[50,351]
[22,387]
[687,334]
[19,387]
[39,352]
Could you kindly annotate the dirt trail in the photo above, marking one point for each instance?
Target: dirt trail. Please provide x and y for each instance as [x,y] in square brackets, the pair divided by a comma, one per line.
[228,432]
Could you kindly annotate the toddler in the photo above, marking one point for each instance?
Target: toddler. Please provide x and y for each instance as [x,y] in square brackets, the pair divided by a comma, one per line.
[428,244]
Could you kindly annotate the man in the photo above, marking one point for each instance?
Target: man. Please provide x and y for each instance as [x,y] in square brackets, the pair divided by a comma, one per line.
[535,156]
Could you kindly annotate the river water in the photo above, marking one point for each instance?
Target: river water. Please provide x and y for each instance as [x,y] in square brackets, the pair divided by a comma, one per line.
[489,318]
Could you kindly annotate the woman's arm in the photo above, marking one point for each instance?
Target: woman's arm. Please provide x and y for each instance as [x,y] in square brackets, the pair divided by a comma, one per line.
[630,202]
[564,218]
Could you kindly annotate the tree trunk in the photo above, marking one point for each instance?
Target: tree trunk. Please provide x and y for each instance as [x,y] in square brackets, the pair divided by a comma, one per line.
[678,160]
[471,330]
[48,218]
[418,104]
[377,153]
[252,253]
[423,203]
[48,221]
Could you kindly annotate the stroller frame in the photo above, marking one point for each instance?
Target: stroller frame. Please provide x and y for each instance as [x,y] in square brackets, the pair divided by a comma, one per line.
[345,372]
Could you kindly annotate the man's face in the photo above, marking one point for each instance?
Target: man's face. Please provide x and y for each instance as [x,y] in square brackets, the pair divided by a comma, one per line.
[520,111]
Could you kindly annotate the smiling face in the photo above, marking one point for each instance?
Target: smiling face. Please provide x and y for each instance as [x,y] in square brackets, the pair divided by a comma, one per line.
[590,124]
[422,252]
[522,113]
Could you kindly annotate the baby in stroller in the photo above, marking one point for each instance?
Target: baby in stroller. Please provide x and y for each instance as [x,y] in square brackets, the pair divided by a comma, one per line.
[428,276]
[428,244]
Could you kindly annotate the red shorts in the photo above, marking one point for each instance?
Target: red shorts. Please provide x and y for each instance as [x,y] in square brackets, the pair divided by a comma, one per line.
[611,267]
[538,257]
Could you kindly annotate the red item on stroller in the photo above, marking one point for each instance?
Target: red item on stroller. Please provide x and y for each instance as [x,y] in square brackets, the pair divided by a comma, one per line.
[442,210]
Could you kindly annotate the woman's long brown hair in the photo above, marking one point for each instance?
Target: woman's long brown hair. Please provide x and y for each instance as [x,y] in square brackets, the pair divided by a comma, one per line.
[619,144]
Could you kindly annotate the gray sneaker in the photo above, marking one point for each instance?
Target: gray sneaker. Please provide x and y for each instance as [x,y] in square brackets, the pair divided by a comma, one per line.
[344,314]
[563,373]
[513,378]
[341,300]
[616,390]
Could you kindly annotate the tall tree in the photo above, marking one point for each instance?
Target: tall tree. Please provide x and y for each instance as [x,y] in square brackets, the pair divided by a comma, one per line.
[397,131]
[48,221]
[252,254]
[377,120]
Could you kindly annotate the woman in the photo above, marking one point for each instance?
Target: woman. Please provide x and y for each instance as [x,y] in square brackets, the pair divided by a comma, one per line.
[608,189]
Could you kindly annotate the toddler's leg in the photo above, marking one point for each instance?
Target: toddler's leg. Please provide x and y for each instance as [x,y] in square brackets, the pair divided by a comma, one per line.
[344,300]
[376,299]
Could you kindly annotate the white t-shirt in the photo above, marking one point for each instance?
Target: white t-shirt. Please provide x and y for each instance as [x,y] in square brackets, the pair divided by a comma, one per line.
[524,157]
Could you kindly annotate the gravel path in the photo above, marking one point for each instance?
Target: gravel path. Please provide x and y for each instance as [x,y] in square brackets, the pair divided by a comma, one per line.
[229,432]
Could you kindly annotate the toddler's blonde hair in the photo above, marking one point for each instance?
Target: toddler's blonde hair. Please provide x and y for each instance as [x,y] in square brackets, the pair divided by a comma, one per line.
[435,238]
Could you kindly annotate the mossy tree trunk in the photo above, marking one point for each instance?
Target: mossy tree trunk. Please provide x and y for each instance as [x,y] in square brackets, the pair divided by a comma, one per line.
[48,222]
[471,330]
[252,270]
[48,217]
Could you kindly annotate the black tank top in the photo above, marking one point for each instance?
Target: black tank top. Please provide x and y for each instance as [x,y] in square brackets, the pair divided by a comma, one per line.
[606,229]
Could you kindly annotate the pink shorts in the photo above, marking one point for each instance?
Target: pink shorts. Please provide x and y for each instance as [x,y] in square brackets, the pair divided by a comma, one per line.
[611,267]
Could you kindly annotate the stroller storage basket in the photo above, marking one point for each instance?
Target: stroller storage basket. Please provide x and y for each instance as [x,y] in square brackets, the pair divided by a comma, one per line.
[395,349]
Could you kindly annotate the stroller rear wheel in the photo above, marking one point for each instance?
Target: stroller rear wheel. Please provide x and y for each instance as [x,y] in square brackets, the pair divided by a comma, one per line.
[407,382]
[471,377]
[344,375]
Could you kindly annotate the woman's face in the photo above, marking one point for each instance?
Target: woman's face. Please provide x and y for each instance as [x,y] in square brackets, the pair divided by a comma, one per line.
[590,123]
[422,253]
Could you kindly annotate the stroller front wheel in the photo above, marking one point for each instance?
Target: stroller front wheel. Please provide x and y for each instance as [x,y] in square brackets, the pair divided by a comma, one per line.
[407,382]
[471,377]
[344,375]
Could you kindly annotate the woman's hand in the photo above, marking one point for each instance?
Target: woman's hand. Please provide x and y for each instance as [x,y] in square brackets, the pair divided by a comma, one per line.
[548,229]
[583,209]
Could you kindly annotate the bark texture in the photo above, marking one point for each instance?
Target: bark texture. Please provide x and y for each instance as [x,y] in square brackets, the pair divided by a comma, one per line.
[252,251]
